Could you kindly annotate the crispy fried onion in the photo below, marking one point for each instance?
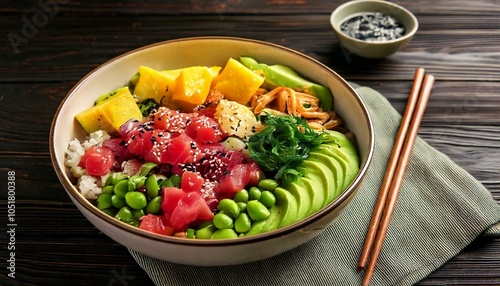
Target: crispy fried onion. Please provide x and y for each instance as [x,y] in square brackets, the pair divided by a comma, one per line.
[286,101]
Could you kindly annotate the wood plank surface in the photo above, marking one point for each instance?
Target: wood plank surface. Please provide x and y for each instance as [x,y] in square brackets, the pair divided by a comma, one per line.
[458,42]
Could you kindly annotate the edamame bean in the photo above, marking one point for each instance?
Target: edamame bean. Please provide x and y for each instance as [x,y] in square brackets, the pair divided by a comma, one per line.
[114,178]
[133,222]
[166,183]
[146,168]
[242,206]
[135,182]
[268,184]
[176,180]
[108,189]
[124,214]
[241,196]
[229,207]
[242,223]
[110,211]
[190,233]
[257,211]
[152,188]
[205,232]
[108,180]
[118,202]
[121,188]
[104,201]
[268,199]
[223,221]
[254,193]
[138,213]
[224,234]
[154,205]
[136,200]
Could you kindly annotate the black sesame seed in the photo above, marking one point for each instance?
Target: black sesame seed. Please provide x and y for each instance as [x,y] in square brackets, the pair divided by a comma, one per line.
[373,27]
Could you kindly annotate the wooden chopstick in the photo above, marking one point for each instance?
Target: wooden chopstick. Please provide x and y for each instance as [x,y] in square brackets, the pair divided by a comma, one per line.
[397,167]
[391,167]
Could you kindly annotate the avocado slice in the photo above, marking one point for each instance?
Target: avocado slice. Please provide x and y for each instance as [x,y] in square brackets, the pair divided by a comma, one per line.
[274,219]
[334,172]
[270,223]
[252,63]
[280,75]
[257,227]
[352,168]
[317,187]
[341,165]
[317,174]
[286,201]
[347,146]
[346,151]
[302,196]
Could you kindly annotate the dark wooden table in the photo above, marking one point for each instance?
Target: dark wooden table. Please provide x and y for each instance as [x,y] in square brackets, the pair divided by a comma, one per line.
[47,46]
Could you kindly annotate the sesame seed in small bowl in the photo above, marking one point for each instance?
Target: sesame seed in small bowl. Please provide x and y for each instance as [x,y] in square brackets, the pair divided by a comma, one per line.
[372,28]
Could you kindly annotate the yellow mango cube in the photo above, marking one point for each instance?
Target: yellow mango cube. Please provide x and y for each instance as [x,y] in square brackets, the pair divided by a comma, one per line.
[237,82]
[93,119]
[156,85]
[111,113]
[121,110]
[193,85]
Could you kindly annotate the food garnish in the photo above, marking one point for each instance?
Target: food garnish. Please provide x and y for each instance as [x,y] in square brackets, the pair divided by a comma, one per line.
[283,144]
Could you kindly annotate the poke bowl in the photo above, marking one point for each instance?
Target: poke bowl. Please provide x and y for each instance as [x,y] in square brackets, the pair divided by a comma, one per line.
[211,150]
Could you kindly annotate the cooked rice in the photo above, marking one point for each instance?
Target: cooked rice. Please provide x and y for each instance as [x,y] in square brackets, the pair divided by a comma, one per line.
[88,185]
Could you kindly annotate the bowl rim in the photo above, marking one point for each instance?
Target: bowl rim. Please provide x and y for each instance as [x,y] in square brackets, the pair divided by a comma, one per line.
[74,194]
[406,36]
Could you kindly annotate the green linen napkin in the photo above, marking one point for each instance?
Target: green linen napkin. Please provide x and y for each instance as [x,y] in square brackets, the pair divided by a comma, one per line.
[440,210]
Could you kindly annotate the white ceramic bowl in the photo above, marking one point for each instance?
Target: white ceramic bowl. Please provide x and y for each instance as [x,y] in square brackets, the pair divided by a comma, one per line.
[373,50]
[206,51]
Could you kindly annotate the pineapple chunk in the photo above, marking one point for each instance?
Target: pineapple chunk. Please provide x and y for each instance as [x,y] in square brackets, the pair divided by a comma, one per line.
[238,82]
[110,113]
[233,143]
[156,85]
[193,85]
[235,119]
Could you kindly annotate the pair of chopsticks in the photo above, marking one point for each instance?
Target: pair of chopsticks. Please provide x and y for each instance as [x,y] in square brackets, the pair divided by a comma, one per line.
[396,168]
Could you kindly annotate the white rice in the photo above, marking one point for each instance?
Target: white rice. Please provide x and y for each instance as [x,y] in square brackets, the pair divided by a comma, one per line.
[88,185]
[74,154]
